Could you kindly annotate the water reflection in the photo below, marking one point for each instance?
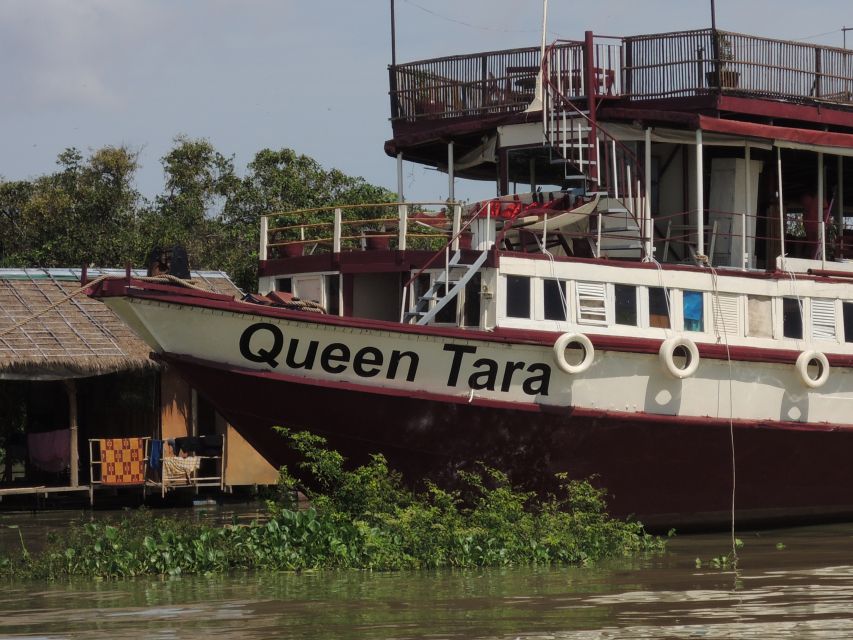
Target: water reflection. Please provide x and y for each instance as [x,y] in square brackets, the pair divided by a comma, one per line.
[802,591]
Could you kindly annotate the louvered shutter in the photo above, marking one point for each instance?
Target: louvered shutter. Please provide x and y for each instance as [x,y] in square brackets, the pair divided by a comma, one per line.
[823,319]
[726,309]
[591,299]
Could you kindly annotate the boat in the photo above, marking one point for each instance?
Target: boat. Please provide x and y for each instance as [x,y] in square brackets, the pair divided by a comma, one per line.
[659,295]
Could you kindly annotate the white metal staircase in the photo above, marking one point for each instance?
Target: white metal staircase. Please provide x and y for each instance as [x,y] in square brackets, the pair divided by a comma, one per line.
[452,281]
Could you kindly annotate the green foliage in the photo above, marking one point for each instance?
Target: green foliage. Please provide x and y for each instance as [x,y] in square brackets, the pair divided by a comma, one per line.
[363,518]
[89,212]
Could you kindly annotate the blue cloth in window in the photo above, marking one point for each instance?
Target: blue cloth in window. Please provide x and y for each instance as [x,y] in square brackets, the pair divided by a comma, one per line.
[693,310]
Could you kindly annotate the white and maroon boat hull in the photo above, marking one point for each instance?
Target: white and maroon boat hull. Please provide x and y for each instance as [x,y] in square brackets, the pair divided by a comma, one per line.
[436,399]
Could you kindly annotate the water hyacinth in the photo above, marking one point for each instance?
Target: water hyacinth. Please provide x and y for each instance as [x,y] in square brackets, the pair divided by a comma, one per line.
[364,518]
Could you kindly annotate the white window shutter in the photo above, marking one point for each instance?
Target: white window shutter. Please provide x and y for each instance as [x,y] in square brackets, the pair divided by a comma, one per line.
[823,319]
[726,311]
[591,302]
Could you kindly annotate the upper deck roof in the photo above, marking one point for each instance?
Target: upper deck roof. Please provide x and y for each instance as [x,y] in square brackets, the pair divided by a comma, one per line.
[721,74]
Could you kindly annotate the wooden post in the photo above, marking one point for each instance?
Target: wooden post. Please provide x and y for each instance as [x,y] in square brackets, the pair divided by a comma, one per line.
[71,390]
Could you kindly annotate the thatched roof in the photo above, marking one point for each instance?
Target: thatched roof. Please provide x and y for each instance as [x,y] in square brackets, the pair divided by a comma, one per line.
[80,337]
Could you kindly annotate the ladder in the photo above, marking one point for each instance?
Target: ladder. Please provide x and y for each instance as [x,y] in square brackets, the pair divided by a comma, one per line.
[424,311]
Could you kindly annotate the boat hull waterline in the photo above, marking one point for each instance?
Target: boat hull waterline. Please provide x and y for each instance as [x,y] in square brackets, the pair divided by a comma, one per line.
[433,400]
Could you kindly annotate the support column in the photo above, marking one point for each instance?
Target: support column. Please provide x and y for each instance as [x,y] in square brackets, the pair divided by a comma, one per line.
[402,212]
[839,215]
[700,195]
[532,165]
[71,390]
[648,228]
[745,258]
[821,228]
[781,204]
[451,178]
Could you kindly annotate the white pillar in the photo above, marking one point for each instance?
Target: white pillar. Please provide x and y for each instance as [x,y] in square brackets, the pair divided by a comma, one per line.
[457,225]
[700,196]
[647,196]
[400,197]
[451,195]
[336,232]
[402,210]
[781,203]
[262,249]
[840,196]
[747,215]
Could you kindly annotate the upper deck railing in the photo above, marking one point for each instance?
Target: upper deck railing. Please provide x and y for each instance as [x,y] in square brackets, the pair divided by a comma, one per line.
[636,68]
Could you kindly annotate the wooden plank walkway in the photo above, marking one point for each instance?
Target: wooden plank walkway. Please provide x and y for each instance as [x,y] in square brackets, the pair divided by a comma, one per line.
[43,490]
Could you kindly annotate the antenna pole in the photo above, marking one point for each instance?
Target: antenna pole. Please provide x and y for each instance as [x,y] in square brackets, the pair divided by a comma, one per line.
[393,37]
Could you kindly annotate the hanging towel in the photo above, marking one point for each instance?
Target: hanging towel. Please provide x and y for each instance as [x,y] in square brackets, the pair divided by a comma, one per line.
[156,454]
[50,450]
[178,470]
[122,461]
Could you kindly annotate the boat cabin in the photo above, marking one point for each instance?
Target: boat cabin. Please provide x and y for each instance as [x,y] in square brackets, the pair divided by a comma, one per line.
[697,181]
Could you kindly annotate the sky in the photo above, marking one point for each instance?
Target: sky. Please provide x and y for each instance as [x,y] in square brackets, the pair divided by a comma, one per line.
[310,75]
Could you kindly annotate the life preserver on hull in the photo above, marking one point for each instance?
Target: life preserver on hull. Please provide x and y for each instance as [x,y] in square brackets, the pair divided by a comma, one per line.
[807,359]
[570,339]
[683,347]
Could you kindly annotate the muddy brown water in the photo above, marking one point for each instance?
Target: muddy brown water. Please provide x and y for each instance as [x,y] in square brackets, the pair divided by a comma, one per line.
[802,591]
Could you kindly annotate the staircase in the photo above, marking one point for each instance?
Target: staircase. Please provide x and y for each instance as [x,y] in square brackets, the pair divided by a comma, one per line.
[594,159]
[451,281]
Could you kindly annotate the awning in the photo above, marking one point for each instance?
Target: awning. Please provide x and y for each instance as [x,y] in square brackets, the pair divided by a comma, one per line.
[838,144]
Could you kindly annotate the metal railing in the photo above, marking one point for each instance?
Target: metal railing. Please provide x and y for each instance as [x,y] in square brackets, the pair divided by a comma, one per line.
[382,226]
[456,86]
[695,62]
[635,68]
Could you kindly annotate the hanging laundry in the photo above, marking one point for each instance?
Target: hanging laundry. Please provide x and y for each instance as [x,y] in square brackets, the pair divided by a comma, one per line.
[50,450]
[122,460]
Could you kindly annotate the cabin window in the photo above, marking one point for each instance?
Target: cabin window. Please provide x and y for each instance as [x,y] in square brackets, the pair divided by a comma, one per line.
[555,299]
[333,295]
[693,305]
[848,321]
[658,308]
[518,297]
[792,318]
[471,309]
[760,311]
[591,299]
[625,303]
[284,284]
[823,319]
[309,288]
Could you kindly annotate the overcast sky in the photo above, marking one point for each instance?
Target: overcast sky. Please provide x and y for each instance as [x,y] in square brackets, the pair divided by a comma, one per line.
[306,74]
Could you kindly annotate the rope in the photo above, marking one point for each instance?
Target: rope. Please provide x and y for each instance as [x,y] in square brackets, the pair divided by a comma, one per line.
[731,412]
[163,279]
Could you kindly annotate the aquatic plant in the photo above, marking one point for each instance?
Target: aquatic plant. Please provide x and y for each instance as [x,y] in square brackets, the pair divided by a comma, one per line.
[364,518]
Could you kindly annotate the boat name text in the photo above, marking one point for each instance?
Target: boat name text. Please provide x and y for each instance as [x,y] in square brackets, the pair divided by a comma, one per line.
[369,362]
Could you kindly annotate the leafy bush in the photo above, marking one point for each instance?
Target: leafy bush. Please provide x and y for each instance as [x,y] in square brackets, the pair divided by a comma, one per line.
[364,518]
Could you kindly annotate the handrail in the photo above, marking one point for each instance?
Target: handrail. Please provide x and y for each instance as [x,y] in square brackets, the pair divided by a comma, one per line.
[444,248]
[331,207]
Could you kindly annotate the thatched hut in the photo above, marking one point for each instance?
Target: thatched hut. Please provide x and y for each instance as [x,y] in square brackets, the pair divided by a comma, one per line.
[77,372]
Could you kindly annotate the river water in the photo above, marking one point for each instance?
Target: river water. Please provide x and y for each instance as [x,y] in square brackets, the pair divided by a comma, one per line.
[804,590]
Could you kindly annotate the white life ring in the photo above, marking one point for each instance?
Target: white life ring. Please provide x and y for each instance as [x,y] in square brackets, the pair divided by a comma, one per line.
[563,343]
[684,347]
[808,358]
